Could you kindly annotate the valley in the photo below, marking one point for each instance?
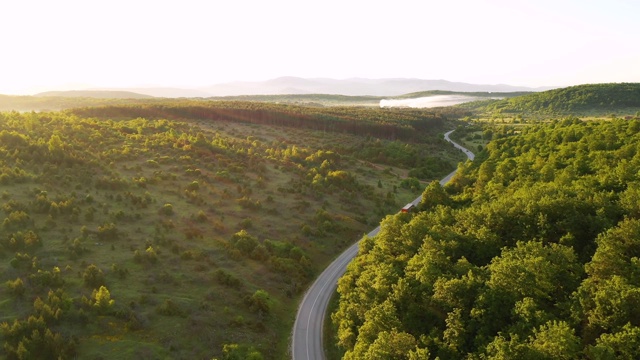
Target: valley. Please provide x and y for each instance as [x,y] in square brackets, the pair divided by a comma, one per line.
[191,228]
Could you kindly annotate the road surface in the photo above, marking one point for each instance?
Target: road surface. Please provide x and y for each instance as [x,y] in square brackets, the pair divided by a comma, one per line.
[469,154]
[307,337]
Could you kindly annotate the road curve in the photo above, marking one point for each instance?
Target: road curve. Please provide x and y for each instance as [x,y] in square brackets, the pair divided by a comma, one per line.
[466,151]
[307,336]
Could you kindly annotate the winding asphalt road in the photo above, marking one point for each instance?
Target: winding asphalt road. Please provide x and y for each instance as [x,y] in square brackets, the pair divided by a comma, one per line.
[307,337]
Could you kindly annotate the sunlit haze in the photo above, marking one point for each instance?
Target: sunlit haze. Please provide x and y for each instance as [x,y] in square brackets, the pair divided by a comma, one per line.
[72,44]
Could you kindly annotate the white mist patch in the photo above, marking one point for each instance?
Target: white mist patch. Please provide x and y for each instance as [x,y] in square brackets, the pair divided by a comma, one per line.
[429,101]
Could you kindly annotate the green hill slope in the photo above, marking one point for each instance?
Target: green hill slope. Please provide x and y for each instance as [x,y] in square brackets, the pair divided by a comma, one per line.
[575,99]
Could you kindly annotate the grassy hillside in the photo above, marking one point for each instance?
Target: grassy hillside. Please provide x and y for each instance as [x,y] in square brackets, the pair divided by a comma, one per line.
[582,99]
[148,235]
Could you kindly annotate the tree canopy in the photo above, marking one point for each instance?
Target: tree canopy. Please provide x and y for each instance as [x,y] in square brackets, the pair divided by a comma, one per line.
[529,252]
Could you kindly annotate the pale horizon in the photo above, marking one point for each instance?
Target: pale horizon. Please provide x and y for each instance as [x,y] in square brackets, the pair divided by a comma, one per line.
[73,45]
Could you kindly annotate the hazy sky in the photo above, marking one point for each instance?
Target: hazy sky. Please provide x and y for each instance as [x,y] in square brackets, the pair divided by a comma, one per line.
[191,43]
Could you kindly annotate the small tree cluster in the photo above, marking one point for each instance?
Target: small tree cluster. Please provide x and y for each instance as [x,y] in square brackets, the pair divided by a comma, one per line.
[149,256]
[93,277]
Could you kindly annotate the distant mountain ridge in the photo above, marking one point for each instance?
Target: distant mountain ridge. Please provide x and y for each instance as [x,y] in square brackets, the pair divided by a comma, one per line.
[353,87]
[98,94]
[290,85]
[129,93]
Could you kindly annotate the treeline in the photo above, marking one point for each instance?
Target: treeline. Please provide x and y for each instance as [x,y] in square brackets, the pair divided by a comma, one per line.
[485,94]
[531,252]
[390,124]
[574,99]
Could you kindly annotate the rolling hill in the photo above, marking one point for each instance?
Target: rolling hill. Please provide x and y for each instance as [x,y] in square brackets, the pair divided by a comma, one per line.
[581,98]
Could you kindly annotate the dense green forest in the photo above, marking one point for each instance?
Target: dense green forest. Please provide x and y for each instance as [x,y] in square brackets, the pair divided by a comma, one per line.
[581,99]
[188,231]
[531,252]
